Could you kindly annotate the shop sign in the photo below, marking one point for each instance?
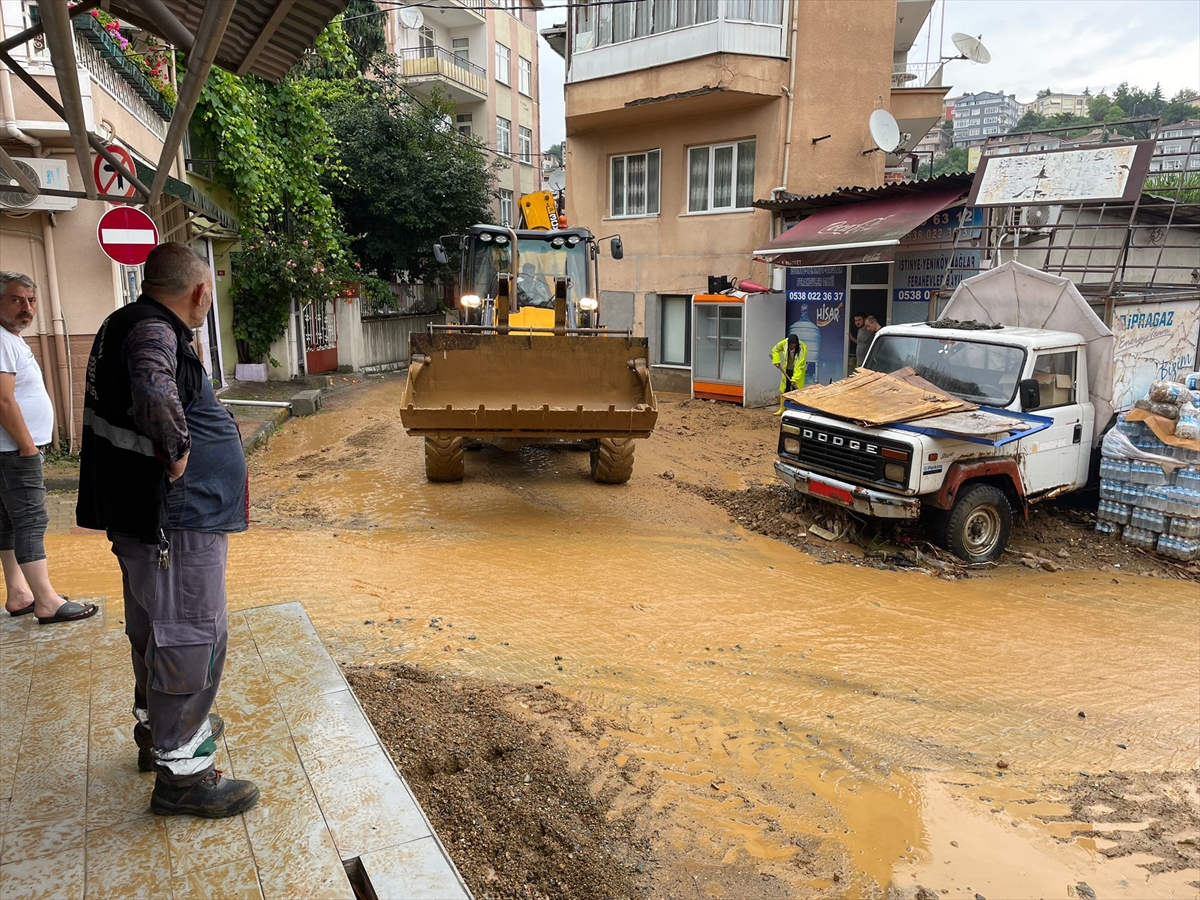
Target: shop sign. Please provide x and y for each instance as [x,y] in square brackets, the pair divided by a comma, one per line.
[816,313]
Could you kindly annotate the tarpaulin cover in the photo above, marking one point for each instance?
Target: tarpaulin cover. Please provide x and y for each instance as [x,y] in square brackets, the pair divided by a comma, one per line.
[1016,295]
[855,233]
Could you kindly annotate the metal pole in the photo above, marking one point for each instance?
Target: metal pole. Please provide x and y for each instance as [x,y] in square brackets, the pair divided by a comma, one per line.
[24,37]
[62,53]
[9,166]
[213,22]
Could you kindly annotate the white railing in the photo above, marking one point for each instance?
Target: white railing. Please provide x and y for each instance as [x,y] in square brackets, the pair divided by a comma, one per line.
[913,74]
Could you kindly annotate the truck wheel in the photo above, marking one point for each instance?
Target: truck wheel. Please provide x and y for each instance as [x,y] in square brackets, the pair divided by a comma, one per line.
[977,528]
[444,458]
[612,461]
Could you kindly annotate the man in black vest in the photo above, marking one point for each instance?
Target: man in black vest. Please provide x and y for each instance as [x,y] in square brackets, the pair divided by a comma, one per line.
[162,472]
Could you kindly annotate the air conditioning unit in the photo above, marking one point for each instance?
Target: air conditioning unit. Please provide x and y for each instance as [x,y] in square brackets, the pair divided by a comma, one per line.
[1035,218]
[45,173]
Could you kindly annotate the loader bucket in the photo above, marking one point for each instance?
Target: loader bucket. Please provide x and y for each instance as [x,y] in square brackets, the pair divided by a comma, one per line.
[528,386]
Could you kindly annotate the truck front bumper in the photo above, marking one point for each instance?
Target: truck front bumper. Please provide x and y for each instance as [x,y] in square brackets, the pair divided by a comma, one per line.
[843,493]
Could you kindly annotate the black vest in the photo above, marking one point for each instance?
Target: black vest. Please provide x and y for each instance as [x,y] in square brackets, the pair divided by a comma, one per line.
[123,480]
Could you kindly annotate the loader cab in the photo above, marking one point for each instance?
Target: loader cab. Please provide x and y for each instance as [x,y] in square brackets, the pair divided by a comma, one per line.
[542,257]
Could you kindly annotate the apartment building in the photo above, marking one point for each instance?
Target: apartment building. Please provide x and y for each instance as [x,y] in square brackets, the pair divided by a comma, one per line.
[1178,148]
[54,239]
[681,116]
[980,116]
[482,55]
[1057,104]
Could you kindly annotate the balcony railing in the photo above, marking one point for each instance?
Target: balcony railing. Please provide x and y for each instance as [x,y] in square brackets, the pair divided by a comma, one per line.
[420,62]
[914,74]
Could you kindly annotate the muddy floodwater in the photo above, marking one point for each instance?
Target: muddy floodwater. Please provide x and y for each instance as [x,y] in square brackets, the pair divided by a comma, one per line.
[842,730]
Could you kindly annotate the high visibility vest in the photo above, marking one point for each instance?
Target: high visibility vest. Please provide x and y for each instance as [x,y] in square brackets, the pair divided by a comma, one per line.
[794,365]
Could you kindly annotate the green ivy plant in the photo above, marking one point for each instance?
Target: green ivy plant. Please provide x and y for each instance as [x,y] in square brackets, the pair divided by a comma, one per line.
[272,147]
[268,274]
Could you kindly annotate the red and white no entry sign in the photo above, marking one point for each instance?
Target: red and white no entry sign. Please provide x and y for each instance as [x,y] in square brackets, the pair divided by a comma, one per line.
[127,235]
[108,179]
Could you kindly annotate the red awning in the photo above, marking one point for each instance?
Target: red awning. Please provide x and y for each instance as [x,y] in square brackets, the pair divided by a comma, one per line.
[855,233]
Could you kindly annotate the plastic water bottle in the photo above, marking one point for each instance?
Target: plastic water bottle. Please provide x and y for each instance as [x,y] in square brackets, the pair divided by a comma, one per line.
[810,336]
[1106,527]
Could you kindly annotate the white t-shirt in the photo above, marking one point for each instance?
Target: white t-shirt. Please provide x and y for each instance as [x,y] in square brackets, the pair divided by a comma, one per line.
[37,410]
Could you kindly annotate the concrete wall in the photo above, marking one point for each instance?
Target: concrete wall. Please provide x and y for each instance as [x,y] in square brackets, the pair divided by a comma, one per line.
[385,341]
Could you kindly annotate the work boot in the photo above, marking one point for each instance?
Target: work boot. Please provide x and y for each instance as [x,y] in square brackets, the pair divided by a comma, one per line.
[141,737]
[779,412]
[213,797]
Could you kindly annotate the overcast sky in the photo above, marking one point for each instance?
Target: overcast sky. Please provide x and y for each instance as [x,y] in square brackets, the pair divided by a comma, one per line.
[1065,45]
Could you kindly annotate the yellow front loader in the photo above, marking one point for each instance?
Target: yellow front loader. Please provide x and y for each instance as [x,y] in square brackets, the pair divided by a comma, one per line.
[529,362]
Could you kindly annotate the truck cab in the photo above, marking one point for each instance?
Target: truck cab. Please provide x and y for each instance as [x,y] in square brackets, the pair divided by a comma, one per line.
[966,485]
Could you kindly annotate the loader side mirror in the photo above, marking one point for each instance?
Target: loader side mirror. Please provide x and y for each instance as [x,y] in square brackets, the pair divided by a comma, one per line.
[618,249]
[1031,394]
[440,254]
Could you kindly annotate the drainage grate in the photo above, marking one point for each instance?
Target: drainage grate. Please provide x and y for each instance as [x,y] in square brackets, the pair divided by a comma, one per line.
[359,880]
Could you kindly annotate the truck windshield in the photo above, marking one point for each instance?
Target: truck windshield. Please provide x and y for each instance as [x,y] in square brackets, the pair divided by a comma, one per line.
[540,263]
[973,370]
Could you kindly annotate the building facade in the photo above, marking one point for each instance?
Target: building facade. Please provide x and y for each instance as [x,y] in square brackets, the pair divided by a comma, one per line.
[483,55]
[1178,148]
[980,116]
[1058,104]
[681,116]
[54,239]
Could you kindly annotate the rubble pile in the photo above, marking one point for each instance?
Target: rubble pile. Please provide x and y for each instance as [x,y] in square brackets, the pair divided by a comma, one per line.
[1150,473]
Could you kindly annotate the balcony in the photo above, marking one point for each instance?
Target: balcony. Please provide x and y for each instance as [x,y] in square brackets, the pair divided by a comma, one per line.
[452,14]
[462,81]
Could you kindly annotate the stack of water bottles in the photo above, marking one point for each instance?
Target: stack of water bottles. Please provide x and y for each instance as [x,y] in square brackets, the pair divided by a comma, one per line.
[1152,506]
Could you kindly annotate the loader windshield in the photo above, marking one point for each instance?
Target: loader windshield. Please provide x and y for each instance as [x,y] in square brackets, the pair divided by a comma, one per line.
[540,263]
[976,371]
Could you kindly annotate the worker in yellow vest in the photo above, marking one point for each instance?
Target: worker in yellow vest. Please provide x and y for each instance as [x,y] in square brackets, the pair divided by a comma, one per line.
[789,356]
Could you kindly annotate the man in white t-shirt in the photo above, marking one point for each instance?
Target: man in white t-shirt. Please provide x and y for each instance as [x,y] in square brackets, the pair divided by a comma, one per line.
[26,423]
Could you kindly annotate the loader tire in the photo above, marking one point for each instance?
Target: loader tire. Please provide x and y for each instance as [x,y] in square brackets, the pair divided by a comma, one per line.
[612,461]
[444,459]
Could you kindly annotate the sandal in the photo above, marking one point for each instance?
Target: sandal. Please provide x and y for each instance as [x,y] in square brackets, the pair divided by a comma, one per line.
[70,612]
[28,609]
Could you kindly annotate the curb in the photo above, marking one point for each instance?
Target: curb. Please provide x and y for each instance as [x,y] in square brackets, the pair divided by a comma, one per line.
[70,483]
[263,432]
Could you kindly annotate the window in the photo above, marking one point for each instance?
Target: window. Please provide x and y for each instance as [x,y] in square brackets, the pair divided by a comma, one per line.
[427,43]
[768,12]
[525,144]
[524,76]
[1055,375]
[721,177]
[675,330]
[602,22]
[634,182]
[503,63]
[463,122]
[506,207]
[503,136]
[462,49]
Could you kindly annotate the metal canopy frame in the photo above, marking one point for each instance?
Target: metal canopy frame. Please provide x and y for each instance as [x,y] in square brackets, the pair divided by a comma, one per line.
[262,37]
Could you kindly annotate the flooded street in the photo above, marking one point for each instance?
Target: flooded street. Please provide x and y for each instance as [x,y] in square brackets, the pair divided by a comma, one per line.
[835,729]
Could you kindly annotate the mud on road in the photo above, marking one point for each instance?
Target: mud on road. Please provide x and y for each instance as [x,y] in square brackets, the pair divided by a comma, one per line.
[718,714]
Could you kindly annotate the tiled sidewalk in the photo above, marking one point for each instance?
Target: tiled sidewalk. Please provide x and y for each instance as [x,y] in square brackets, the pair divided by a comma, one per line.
[75,811]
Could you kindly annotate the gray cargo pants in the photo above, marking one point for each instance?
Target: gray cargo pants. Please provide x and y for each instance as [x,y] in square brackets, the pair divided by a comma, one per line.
[178,629]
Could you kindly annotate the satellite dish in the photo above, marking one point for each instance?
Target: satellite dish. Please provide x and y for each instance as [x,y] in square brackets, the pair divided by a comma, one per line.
[411,17]
[970,48]
[884,130]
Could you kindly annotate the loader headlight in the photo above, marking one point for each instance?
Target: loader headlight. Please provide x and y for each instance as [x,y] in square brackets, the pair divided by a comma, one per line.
[587,304]
[893,472]
[791,446]
[470,301]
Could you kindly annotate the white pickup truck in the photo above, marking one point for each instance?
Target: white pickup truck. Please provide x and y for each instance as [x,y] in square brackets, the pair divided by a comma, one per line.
[1040,413]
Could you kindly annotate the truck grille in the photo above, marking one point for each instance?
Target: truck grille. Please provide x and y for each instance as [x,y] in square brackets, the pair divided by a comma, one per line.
[847,454]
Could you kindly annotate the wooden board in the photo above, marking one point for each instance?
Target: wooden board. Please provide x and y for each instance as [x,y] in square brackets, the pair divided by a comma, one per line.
[878,398]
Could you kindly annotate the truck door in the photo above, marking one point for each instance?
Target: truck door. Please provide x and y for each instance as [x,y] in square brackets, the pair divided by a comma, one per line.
[1059,456]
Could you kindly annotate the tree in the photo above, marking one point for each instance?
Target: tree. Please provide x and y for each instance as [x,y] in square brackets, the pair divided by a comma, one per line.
[953,162]
[1030,121]
[558,151]
[406,178]
[1099,106]
[365,22]
[1044,92]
